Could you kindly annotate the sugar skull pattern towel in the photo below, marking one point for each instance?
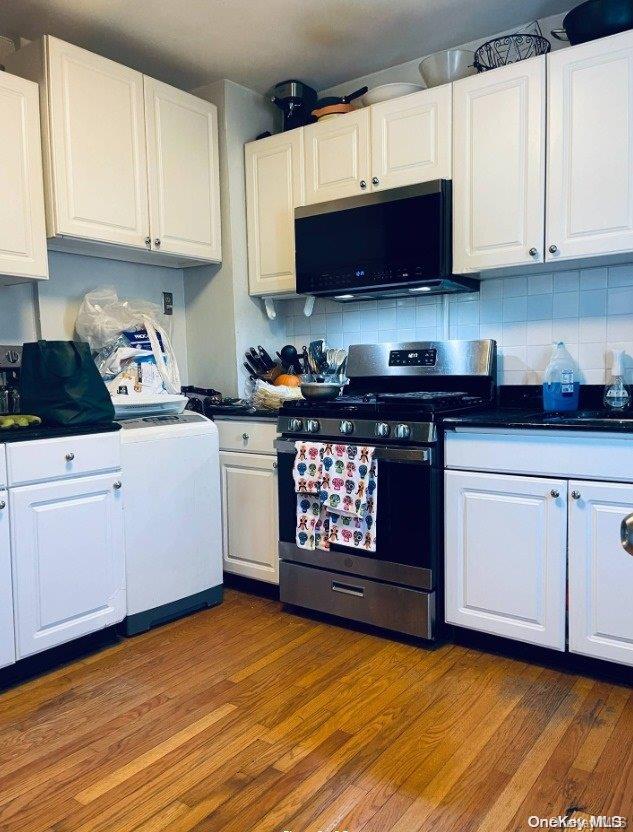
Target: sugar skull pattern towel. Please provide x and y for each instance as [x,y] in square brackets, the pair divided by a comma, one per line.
[308,467]
[357,532]
[345,478]
[313,523]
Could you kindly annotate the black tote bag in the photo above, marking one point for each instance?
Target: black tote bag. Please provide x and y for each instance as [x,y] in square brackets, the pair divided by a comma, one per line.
[60,383]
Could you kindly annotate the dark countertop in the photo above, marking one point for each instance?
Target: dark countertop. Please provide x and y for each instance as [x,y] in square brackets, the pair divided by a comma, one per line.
[241,414]
[531,419]
[53,432]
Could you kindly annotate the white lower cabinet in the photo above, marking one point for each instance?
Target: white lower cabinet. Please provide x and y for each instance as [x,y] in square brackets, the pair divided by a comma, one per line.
[506,541]
[249,515]
[68,560]
[600,571]
[7,637]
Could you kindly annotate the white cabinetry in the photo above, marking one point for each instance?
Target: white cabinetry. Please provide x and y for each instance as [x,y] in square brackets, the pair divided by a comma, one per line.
[590,149]
[182,155]
[68,560]
[337,157]
[506,551]
[411,138]
[499,163]
[22,227]
[274,188]
[248,470]
[7,638]
[600,572]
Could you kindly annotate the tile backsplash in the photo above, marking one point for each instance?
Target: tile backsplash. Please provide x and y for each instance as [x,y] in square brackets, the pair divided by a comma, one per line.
[591,310]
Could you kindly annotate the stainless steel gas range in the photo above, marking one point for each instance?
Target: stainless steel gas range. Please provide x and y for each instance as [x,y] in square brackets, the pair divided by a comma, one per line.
[395,401]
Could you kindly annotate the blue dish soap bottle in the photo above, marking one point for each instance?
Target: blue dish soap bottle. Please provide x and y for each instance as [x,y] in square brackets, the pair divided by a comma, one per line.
[560,385]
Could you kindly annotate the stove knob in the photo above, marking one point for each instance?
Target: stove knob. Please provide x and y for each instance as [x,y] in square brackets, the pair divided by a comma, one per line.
[13,356]
[402,431]
[313,426]
[383,430]
[346,426]
[296,424]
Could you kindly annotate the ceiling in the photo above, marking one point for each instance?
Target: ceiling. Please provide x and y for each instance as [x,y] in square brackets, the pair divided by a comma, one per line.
[260,42]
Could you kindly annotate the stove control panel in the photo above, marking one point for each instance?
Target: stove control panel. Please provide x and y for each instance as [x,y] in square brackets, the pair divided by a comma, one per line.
[313,426]
[346,427]
[413,358]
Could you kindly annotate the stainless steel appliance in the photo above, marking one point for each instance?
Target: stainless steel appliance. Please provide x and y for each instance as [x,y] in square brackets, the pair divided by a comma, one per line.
[397,396]
[296,101]
[10,362]
[379,244]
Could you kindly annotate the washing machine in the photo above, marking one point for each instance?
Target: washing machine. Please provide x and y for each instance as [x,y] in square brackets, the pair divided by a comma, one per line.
[173,534]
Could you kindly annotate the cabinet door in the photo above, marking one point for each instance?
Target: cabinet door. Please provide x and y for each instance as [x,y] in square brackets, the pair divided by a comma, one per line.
[249,515]
[68,560]
[411,138]
[184,174]
[499,167]
[590,149]
[274,188]
[22,228]
[97,129]
[600,572]
[337,157]
[7,638]
[506,547]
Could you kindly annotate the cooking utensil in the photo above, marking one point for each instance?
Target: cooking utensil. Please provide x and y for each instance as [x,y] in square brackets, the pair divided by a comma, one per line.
[296,100]
[509,49]
[335,359]
[321,389]
[255,362]
[447,66]
[251,374]
[265,357]
[331,100]
[306,359]
[595,19]
[289,357]
[323,113]
[316,351]
[387,91]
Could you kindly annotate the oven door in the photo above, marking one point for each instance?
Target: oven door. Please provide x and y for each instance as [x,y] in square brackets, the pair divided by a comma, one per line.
[408,520]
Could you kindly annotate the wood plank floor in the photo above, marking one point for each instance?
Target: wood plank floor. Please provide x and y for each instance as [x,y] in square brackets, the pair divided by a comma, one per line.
[247,718]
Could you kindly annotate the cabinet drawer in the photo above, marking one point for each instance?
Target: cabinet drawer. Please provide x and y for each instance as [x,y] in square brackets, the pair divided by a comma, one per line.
[3,467]
[256,437]
[72,456]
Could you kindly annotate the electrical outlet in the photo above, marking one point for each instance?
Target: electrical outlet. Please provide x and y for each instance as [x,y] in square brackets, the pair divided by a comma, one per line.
[168,303]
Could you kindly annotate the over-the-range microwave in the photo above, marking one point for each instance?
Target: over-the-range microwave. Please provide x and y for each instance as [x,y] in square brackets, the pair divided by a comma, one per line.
[394,243]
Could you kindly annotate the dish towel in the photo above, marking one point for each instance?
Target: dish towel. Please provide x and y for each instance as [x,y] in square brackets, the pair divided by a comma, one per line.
[308,467]
[353,531]
[312,520]
[345,478]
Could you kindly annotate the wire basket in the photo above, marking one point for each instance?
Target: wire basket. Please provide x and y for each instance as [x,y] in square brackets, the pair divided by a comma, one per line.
[509,49]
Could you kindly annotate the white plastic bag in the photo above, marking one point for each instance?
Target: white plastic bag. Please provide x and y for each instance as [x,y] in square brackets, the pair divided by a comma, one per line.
[102,317]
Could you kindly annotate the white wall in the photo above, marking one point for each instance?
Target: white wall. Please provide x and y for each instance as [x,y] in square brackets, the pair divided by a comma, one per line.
[50,308]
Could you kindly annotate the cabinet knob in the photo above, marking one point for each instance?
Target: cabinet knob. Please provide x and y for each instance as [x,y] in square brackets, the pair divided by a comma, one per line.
[555,494]
[245,437]
[148,242]
[575,495]
[275,464]
[533,252]
[117,484]
[2,504]
[157,243]
[553,249]
[626,533]
[375,181]
[363,184]
[69,456]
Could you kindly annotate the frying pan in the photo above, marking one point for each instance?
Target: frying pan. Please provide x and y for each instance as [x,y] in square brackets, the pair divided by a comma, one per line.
[595,19]
[330,100]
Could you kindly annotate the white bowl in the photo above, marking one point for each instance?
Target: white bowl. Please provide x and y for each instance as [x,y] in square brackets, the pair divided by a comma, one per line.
[386,91]
[445,67]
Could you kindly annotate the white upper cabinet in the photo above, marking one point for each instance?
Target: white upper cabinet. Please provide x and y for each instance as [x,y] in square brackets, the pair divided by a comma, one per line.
[499,167]
[97,161]
[274,188]
[600,572]
[590,149]
[22,228]
[337,156]
[7,637]
[184,191]
[411,138]
[505,555]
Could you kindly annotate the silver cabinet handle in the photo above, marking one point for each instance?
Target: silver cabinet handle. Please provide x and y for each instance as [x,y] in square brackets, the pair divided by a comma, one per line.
[575,495]
[348,589]
[245,437]
[555,494]
[363,184]
[533,252]
[375,181]
[553,249]
[117,484]
[157,242]
[2,504]
[70,456]
[626,534]
[148,242]
[275,466]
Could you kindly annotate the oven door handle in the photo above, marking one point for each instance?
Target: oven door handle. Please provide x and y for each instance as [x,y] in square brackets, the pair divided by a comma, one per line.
[420,456]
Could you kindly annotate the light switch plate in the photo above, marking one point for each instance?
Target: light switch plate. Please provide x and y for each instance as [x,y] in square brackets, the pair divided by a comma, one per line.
[168,303]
